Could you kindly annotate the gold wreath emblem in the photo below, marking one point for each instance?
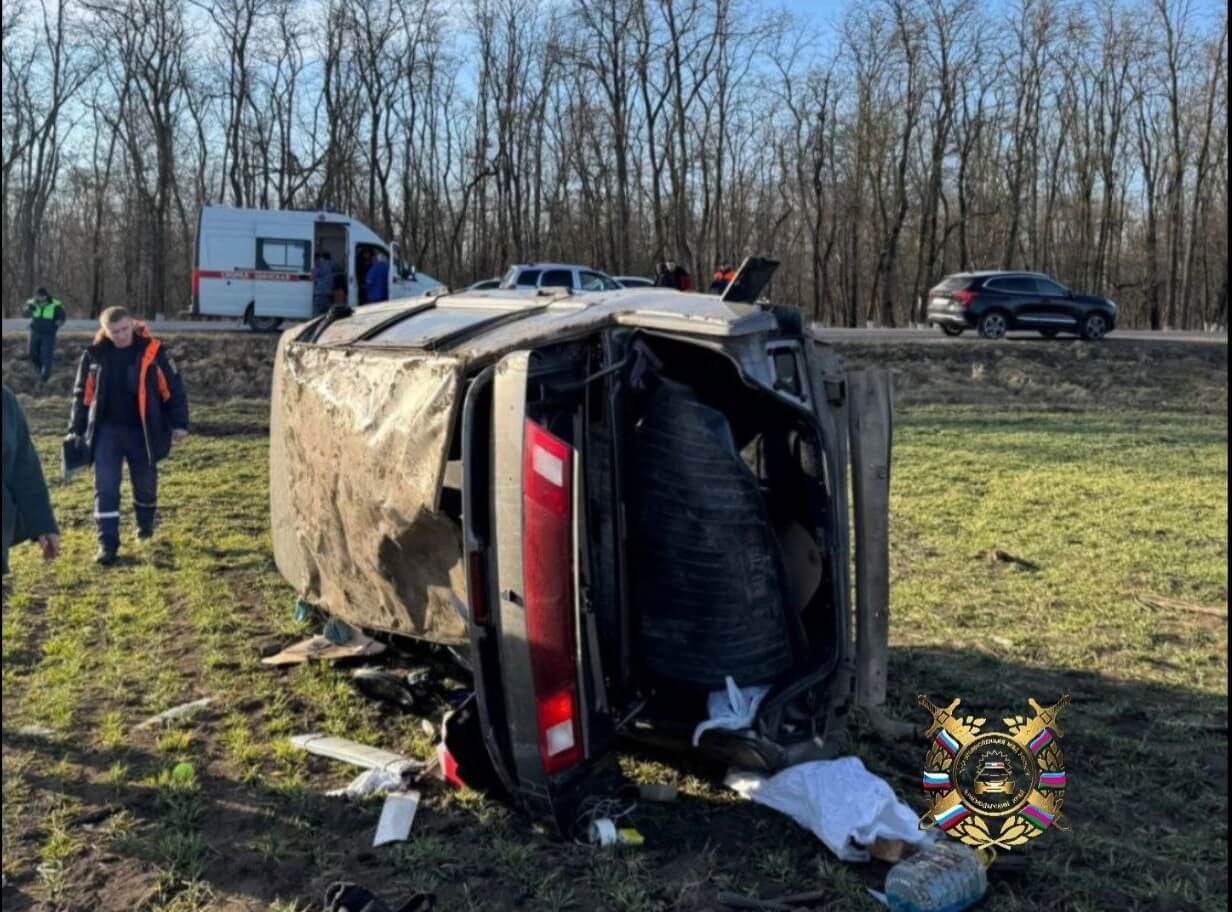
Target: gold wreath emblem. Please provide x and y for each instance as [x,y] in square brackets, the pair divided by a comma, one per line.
[994,789]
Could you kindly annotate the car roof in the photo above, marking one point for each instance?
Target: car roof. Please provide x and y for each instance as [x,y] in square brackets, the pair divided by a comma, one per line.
[556,266]
[477,325]
[990,273]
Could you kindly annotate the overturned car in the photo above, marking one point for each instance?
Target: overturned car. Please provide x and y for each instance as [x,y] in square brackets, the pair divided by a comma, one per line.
[609,503]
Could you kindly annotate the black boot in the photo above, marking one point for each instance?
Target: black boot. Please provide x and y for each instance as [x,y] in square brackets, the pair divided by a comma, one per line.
[106,556]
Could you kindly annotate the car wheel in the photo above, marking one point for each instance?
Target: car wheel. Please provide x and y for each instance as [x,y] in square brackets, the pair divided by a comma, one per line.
[1094,327]
[994,325]
[1048,333]
[264,324]
[952,330]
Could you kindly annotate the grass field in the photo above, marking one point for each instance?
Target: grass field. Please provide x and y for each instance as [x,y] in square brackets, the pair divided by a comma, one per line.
[1104,506]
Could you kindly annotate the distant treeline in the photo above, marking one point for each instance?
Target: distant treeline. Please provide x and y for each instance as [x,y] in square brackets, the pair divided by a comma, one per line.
[871,155]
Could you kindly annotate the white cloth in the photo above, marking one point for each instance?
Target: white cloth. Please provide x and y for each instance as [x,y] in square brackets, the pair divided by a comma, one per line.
[734,708]
[370,782]
[845,805]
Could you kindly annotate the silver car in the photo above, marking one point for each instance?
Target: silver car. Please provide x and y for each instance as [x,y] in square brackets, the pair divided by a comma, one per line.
[608,504]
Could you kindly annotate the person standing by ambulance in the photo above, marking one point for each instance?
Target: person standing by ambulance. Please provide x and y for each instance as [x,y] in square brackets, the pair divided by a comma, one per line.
[128,406]
[322,283]
[46,317]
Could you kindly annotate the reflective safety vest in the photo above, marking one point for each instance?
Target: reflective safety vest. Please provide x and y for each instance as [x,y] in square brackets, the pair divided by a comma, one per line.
[44,311]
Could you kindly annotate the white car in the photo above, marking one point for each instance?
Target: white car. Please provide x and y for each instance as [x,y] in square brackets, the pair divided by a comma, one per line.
[635,281]
[558,275]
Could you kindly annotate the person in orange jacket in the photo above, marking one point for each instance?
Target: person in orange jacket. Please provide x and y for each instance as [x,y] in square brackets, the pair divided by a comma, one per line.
[128,406]
[723,277]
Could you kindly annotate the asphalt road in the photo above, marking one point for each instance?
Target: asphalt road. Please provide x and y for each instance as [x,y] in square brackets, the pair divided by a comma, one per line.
[931,336]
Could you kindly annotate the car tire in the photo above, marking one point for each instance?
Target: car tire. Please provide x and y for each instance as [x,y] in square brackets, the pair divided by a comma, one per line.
[1048,333]
[1094,327]
[994,325]
[952,330]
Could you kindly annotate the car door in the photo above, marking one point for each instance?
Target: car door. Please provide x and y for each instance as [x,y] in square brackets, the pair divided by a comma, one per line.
[1018,296]
[1057,307]
[223,282]
[593,281]
[536,686]
[558,278]
[282,279]
[527,278]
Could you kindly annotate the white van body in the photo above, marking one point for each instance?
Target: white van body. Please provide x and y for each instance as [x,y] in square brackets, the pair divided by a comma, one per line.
[256,265]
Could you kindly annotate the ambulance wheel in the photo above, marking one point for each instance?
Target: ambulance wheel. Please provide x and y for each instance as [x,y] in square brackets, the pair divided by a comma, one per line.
[261,324]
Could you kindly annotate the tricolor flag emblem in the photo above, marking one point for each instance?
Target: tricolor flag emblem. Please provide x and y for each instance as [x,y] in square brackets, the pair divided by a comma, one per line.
[1040,741]
[946,740]
[1036,816]
[952,816]
[1053,780]
[936,780]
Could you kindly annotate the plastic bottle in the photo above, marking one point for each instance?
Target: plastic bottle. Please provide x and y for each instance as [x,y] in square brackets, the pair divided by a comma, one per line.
[941,877]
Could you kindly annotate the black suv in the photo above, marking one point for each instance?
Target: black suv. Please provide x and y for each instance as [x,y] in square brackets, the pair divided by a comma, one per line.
[996,302]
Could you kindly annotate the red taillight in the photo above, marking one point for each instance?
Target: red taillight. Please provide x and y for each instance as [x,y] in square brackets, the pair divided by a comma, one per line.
[476,588]
[196,281]
[547,567]
[963,297]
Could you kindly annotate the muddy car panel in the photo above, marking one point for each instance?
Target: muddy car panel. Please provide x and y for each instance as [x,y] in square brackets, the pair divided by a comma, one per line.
[623,499]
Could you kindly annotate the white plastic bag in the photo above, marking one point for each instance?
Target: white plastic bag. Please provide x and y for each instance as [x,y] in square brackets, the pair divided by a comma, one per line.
[845,805]
[734,708]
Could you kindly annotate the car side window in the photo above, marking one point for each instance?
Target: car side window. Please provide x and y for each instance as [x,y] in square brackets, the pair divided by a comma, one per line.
[1050,288]
[1013,285]
[528,277]
[557,277]
[282,255]
[592,281]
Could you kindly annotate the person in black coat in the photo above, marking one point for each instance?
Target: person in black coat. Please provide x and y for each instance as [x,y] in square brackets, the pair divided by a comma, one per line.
[27,505]
[128,406]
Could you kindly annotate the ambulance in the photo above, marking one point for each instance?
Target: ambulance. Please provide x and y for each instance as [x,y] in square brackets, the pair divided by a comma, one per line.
[255,265]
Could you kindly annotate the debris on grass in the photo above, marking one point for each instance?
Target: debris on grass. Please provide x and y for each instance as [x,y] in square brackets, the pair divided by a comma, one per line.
[604,832]
[944,877]
[733,708]
[397,817]
[891,850]
[354,753]
[176,713]
[1163,603]
[324,649]
[370,782]
[302,612]
[845,805]
[385,686]
[1000,556]
[36,731]
[657,792]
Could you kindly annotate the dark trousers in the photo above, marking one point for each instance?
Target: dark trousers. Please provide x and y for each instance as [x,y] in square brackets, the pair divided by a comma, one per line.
[113,446]
[42,352]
